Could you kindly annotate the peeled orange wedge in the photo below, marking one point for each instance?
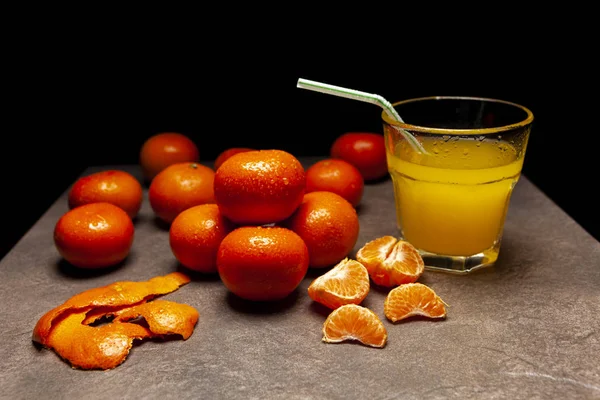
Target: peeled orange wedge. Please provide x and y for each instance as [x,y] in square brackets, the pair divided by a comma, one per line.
[413,299]
[346,283]
[391,262]
[354,322]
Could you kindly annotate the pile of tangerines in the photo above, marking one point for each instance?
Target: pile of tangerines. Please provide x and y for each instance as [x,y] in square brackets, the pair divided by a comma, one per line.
[259,220]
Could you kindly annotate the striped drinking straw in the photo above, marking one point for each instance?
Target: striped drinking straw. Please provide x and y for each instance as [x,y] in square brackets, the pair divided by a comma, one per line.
[366,97]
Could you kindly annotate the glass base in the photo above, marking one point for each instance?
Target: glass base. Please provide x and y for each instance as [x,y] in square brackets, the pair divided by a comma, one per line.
[459,264]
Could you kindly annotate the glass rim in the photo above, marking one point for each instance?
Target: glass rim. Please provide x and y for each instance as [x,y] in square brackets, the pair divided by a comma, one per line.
[452,131]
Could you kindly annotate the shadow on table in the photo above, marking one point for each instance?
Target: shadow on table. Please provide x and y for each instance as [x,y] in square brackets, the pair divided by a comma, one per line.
[66,269]
[196,275]
[261,307]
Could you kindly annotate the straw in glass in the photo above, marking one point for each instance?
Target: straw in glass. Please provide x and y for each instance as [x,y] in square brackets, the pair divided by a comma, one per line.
[362,96]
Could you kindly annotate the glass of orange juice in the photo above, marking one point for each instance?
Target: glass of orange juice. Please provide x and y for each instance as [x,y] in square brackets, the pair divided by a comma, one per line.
[452,199]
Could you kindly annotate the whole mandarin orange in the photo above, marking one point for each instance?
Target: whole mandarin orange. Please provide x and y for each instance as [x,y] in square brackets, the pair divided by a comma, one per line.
[259,187]
[164,149]
[112,186]
[224,155]
[337,176]
[179,187]
[329,226]
[262,263]
[94,235]
[195,236]
[364,150]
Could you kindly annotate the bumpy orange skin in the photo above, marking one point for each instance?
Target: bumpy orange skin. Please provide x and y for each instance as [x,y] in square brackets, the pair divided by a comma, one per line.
[164,149]
[113,186]
[179,187]
[195,236]
[329,226]
[337,176]
[226,154]
[259,187]
[94,235]
[262,263]
[364,150]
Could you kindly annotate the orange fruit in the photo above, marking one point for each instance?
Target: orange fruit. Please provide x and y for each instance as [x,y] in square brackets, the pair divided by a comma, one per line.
[195,235]
[337,176]
[164,149]
[390,261]
[94,235]
[329,226]
[413,299]
[354,322]
[364,150]
[262,263]
[112,186]
[346,283]
[179,187]
[259,187]
[225,154]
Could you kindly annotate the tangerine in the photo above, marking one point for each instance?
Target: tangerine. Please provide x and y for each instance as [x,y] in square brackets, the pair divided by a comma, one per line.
[260,186]
[195,235]
[329,226]
[413,299]
[164,149]
[364,150]
[261,263]
[94,235]
[337,176]
[354,322]
[390,261]
[224,155]
[346,283]
[112,186]
[179,187]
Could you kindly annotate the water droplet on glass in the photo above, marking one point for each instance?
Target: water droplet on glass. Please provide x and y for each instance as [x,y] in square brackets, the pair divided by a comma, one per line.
[446,138]
[466,152]
[481,138]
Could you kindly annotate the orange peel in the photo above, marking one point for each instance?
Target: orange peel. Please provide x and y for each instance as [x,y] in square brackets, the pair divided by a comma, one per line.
[115,295]
[66,329]
[163,317]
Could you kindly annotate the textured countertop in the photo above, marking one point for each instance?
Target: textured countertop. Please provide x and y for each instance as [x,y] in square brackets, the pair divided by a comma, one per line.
[527,328]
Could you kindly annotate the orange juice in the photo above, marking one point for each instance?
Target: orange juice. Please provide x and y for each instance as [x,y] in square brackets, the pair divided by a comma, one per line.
[454,199]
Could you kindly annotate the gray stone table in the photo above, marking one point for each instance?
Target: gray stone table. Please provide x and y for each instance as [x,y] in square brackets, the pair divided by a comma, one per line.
[528,328]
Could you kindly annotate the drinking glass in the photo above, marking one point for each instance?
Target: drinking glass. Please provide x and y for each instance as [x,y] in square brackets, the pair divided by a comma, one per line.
[451,200]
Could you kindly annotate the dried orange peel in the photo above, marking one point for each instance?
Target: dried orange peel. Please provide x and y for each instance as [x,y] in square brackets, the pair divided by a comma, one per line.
[66,329]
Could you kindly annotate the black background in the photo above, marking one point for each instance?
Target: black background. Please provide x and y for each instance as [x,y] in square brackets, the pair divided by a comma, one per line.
[93,100]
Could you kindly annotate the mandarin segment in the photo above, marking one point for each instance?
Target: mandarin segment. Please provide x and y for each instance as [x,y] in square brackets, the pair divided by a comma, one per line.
[354,322]
[390,261]
[346,283]
[413,299]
